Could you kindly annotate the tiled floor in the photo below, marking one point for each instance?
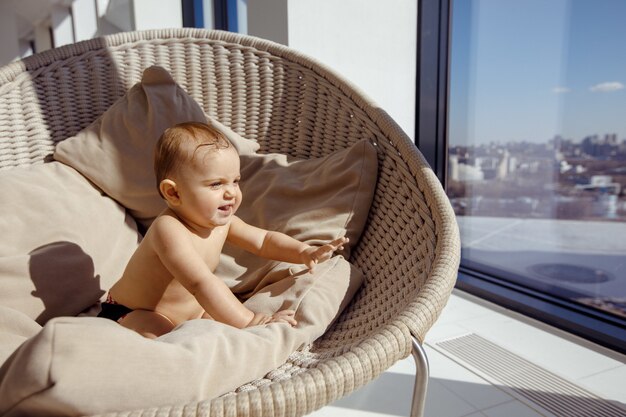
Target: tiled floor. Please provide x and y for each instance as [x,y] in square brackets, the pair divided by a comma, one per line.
[455,390]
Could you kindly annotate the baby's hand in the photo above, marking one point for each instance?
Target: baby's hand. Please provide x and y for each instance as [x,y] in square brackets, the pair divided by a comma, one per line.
[284,316]
[259,319]
[315,255]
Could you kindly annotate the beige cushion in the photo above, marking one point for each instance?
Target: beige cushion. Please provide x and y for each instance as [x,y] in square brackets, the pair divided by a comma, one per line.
[15,328]
[314,201]
[80,366]
[115,151]
[63,243]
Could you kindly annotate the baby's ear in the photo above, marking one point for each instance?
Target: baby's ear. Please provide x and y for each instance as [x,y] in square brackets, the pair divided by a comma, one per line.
[169,191]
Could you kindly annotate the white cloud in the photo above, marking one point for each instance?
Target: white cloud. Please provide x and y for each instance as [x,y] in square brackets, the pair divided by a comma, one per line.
[561,90]
[607,87]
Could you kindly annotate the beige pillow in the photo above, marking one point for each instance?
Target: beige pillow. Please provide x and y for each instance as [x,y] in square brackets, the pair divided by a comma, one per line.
[15,328]
[115,151]
[63,243]
[85,366]
[314,201]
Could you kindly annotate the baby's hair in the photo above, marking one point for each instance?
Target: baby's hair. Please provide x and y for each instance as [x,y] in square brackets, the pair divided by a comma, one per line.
[179,144]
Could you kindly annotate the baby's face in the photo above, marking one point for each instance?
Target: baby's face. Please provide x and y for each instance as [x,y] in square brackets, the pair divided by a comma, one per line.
[208,187]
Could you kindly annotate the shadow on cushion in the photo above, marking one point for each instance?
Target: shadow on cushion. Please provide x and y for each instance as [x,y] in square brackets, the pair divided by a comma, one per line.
[62,271]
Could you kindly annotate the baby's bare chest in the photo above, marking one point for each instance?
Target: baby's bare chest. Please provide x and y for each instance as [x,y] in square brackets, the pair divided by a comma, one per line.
[209,248]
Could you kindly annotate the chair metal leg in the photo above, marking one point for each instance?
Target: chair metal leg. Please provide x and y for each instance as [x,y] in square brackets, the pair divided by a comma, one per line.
[421,379]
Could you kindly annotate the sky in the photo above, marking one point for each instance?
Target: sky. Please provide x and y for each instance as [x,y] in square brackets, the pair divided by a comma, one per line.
[528,70]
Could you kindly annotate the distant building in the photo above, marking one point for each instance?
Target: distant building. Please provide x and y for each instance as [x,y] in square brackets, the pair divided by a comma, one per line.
[611,139]
[600,148]
[460,171]
[503,166]
[605,193]
[601,180]
[453,167]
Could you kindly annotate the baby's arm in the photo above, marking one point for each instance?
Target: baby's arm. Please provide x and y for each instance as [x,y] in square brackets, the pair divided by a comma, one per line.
[172,244]
[279,246]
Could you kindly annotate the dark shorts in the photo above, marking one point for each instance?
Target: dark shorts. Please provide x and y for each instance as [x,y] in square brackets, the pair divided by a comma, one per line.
[111,309]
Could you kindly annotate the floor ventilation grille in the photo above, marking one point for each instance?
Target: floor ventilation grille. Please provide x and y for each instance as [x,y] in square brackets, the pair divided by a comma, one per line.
[526,381]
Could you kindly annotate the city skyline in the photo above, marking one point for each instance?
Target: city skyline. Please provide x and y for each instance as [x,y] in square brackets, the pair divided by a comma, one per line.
[601,136]
[534,70]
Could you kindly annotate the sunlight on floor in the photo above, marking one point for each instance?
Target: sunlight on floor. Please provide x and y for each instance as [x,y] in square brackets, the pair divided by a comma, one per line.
[457,390]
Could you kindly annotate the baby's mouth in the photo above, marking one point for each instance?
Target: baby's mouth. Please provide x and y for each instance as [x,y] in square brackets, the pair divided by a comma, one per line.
[226,209]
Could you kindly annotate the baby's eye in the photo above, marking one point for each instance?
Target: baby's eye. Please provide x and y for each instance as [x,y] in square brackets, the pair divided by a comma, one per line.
[215,185]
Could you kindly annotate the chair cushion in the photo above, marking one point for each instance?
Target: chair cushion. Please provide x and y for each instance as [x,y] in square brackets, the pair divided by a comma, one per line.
[85,365]
[314,200]
[15,328]
[115,152]
[63,243]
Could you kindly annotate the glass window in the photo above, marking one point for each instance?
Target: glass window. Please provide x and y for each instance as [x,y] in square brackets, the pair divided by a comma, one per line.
[537,145]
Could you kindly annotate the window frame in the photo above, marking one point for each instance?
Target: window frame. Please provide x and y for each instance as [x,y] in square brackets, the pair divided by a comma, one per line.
[224,14]
[431,133]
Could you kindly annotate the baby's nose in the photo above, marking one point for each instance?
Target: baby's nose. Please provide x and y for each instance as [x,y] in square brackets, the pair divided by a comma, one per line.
[229,190]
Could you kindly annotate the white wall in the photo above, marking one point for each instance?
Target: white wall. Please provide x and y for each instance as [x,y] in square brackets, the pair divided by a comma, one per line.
[242,17]
[62,26]
[29,22]
[151,14]
[85,19]
[208,13]
[268,19]
[43,41]
[114,16]
[9,42]
[372,43]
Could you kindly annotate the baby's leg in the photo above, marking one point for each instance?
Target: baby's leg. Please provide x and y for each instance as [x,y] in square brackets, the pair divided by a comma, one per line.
[147,323]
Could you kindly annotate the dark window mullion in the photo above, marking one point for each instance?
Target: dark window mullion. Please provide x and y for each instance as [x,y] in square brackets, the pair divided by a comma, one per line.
[193,16]
[225,15]
[432,83]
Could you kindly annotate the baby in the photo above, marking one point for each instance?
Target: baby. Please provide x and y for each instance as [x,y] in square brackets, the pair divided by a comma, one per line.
[170,278]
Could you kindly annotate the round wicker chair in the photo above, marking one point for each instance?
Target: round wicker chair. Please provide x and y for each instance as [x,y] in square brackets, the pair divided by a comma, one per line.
[409,252]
